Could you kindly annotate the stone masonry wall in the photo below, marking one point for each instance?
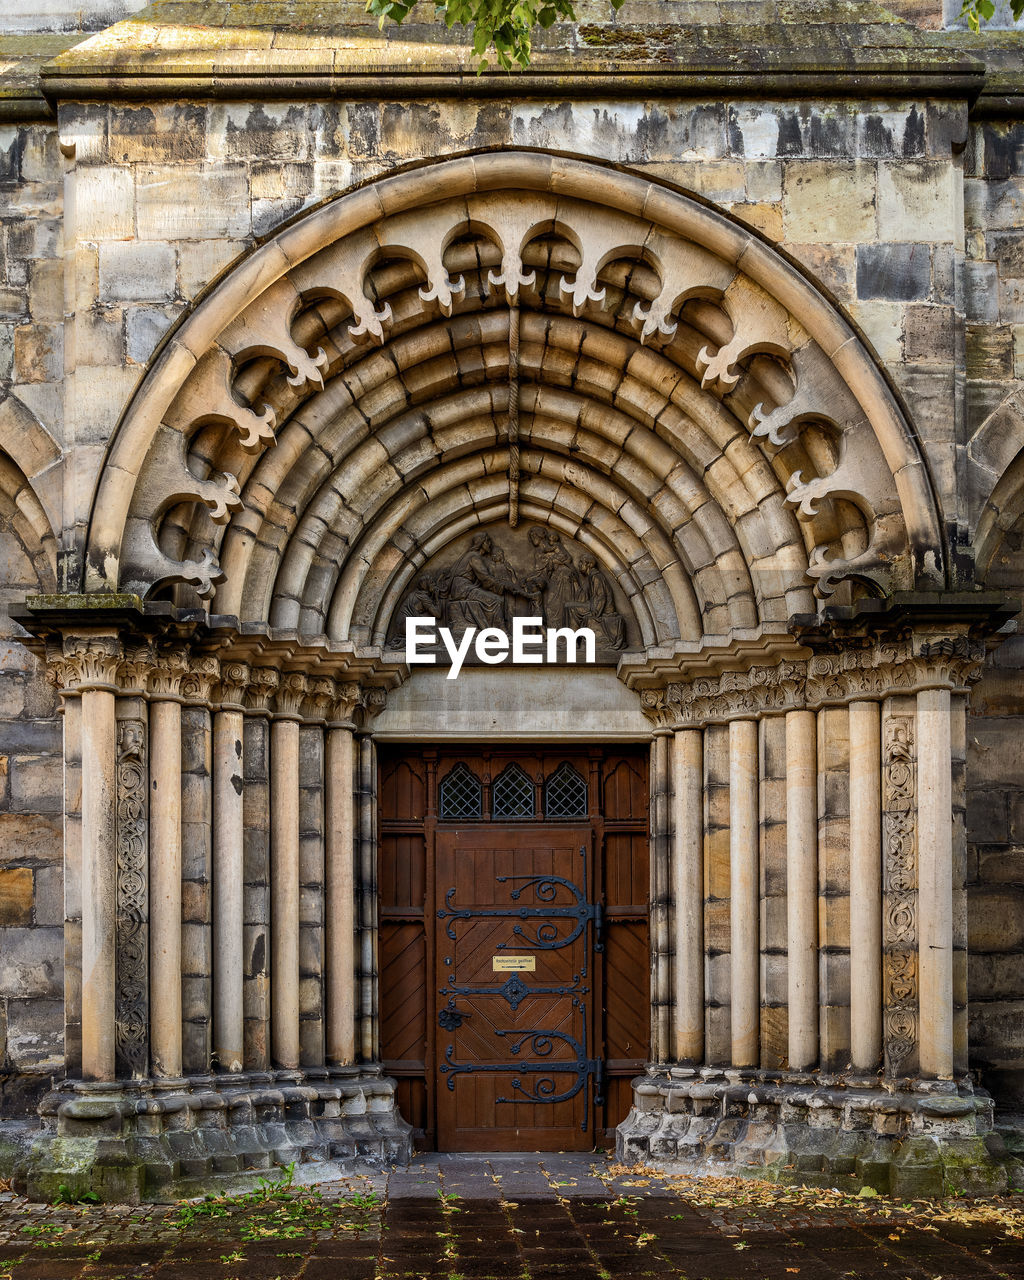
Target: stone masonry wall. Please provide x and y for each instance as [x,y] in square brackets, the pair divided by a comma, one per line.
[162,198]
[994,295]
[31,777]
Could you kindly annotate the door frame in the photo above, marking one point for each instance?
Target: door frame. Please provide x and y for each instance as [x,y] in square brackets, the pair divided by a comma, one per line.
[419,1104]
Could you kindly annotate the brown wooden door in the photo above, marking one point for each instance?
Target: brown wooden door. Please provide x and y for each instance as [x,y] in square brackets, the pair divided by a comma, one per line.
[514,947]
[446,822]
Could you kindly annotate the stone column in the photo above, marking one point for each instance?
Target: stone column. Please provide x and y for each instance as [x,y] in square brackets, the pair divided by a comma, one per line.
[256,993]
[284,872]
[802,887]
[165,864]
[660,845]
[688,893]
[228,868]
[313,870]
[340,960]
[865,886]
[935,882]
[92,663]
[744,894]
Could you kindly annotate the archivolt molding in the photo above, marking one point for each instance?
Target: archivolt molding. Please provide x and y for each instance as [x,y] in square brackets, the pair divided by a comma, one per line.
[689,408]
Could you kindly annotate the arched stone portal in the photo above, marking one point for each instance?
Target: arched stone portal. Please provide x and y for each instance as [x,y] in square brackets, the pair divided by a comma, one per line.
[517,340]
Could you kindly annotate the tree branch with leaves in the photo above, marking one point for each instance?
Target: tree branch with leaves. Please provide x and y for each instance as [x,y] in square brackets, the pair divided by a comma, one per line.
[504,28]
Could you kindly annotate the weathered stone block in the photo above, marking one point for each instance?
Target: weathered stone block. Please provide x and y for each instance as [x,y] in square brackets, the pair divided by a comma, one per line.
[144,329]
[930,333]
[174,132]
[899,272]
[192,202]
[989,351]
[37,784]
[16,892]
[918,201]
[131,271]
[103,200]
[831,202]
[32,961]
[39,353]
[995,918]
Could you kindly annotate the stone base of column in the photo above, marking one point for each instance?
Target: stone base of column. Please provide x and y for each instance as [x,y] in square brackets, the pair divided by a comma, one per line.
[919,1138]
[163,1140]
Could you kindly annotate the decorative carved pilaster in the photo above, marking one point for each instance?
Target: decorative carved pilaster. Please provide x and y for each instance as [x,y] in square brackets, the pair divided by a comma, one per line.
[131,1017]
[899,886]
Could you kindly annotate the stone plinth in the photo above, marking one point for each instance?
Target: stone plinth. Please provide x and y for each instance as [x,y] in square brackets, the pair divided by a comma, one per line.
[907,1138]
[132,1141]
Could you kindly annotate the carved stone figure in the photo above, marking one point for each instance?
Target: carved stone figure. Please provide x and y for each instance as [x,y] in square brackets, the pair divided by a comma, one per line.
[492,576]
[596,606]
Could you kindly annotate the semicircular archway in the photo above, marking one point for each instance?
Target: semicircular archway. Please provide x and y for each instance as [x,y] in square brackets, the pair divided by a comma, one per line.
[502,337]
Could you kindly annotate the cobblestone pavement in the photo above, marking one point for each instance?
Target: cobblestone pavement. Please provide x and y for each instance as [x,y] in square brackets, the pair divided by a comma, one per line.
[505,1217]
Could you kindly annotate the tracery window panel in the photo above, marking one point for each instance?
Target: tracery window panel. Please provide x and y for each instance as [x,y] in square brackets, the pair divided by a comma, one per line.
[461,794]
[512,794]
[565,793]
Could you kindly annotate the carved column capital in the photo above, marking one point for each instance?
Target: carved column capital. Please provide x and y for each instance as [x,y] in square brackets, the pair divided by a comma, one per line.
[950,661]
[91,661]
[373,701]
[321,694]
[198,681]
[139,657]
[235,678]
[290,693]
[263,682]
[166,675]
[346,704]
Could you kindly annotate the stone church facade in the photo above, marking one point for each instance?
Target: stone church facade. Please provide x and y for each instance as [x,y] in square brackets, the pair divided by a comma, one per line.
[707,333]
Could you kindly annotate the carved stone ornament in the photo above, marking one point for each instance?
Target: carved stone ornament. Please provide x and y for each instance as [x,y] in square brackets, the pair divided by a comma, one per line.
[290,694]
[262,687]
[899,887]
[866,671]
[346,703]
[131,1025]
[321,695]
[91,661]
[168,671]
[198,681]
[234,680]
[487,578]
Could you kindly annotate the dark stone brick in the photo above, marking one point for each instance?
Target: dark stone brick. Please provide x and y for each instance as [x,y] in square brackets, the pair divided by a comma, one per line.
[929,333]
[1004,150]
[898,272]
[1006,249]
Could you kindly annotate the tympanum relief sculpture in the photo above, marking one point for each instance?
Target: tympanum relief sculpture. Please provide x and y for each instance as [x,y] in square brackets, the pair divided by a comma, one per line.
[487,578]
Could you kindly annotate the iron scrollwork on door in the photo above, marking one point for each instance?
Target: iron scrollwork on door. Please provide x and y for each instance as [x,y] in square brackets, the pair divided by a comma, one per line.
[545,936]
[539,1042]
[544,1088]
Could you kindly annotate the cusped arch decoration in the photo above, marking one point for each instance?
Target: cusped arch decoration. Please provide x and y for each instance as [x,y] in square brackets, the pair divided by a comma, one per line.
[521,334]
